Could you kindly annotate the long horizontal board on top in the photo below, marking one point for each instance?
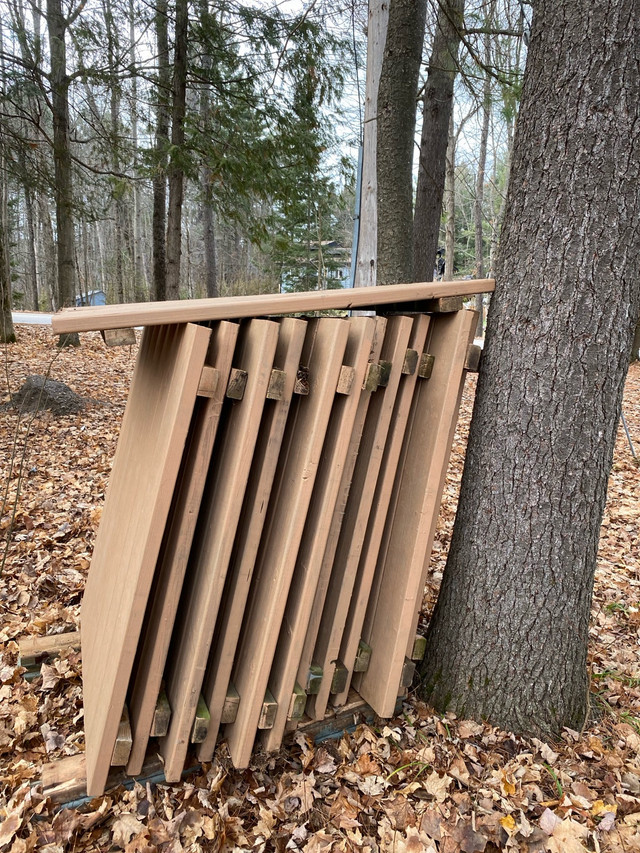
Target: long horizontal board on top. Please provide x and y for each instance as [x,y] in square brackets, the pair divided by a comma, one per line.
[145,469]
[97,318]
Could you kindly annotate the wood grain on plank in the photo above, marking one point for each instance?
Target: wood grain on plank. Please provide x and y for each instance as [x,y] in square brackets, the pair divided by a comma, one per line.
[145,469]
[213,540]
[247,539]
[227,308]
[357,511]
[391,619]
[176,546]
[324,349]
[314,539]
[375,525]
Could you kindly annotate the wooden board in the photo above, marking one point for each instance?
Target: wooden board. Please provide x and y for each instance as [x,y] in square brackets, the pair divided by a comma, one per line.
[145,468]
[265,459]
[213,541]
[354,524]
[390,624]
[315,616]
[314,539]
[324,349]
[375,527]
[165,594]
[96,318]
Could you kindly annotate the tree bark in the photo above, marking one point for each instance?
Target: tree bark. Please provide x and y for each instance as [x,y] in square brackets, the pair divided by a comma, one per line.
[437,108]
[176,170]
[635,348]
[7,333]
[450,204]
[397,92]
[158,228]
[508,638]
[478,206]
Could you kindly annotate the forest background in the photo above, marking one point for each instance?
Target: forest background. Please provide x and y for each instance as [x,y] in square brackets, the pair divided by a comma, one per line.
[169,150]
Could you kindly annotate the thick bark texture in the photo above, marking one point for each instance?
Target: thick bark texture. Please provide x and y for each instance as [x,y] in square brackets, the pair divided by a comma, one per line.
[7,333]
[58,24]
[162,142]
[397,92]
[508,638]
[437,109]
[176,171]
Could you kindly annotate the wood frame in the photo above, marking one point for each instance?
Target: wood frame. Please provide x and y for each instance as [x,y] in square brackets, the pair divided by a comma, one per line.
[392,614]
[156,635]
[375,527]
[354,523]
[323,353]
[314,539]
[146,465]
[212,543]
[247,538]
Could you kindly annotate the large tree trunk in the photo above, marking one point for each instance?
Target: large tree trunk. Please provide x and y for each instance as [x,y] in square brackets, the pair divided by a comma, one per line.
[176,171]
[397,92]
[450,204]
[508,638]
[162,141]
[7,333]
[437,108]
[367,257]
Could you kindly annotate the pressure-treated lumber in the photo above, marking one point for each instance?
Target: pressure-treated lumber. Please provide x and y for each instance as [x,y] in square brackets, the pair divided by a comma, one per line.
[392,614]
[357,511]
[324,349]
[172,563]
[314,540]
[309,673]
[213,541]
[31,650]
[247,540]
[145,469]
[96,318]
[375,526]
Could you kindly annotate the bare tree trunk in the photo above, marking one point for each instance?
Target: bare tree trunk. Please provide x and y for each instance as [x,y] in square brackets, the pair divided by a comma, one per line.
[397,92]
[450,204]
[7,333]
[162,142]
[57,24]
[478,211]
[47,252]
[139,290]
[176,171]
[366,262]
[508,639]
[437,109]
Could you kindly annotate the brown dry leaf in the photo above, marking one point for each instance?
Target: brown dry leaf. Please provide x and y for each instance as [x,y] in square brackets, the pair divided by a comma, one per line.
[568,837]
[126,827]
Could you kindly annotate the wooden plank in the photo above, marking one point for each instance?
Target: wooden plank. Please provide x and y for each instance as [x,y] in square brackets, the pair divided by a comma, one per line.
[351,637]
[65,780]
[237,384]
[147,460]
[95,318]
[391,619]
[208,381]
[309,673]
[267,712]
[161,715]
[265,458]
[314,539]
[472,361]
[201,722]
[354,523]
[231,704]
[32,650]
[213,541]
[176,545]
[324,349]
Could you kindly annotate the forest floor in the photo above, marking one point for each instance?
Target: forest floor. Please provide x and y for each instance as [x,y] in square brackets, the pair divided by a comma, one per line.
[421,782]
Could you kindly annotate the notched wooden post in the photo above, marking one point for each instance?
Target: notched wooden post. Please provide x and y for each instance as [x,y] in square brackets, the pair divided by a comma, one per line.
[123,743]
[268,712]
[363,657]
[410,362]
[230,708]
[209,379]
[275,390]
[426,366]
[345,380]
[237,384]
[161,715]
[118,337]
[201,722]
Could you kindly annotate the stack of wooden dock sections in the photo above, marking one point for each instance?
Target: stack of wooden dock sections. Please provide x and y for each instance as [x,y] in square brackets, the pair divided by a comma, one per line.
[269,518]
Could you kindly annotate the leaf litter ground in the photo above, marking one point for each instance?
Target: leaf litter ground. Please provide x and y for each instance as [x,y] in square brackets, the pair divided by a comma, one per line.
[421,782]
